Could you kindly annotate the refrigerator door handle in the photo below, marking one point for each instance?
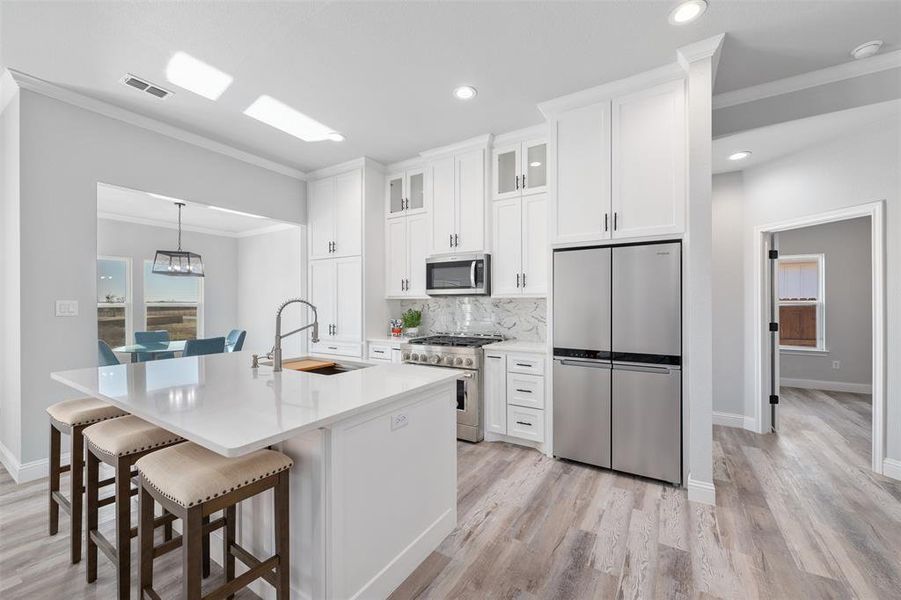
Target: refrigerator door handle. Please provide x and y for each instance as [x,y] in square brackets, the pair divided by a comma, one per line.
[642,368]
[584,363]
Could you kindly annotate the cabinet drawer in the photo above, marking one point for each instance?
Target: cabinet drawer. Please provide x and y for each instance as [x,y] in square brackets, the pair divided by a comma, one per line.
[525,390]
[380,352]
[337,349]
[525,423]
[529,364]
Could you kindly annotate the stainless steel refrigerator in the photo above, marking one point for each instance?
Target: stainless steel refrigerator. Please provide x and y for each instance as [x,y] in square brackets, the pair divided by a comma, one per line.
[617,358]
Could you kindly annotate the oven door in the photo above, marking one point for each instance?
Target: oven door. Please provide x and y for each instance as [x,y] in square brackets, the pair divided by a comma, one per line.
[458,275]
[469,407]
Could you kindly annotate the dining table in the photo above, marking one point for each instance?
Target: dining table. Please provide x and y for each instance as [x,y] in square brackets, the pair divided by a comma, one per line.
[154,349]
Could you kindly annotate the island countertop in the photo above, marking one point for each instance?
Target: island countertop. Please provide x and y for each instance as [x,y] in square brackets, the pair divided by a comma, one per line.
[219,402]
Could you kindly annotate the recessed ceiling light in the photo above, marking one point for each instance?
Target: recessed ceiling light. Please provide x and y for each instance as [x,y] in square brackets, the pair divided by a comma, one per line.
[687,11]
[234,212]
[867,50]
[196,76]
[465,92]
[535,164]
[741,155]
[281,116]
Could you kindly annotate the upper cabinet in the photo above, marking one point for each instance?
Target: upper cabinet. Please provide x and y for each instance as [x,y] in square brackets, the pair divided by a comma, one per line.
[519,169]
[458,202]
[407,246]
[407,192]
[335,215]
[519,251]
[620,167]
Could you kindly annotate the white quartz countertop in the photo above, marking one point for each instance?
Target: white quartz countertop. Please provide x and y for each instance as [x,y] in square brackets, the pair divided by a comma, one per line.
[518,346]
[219,402]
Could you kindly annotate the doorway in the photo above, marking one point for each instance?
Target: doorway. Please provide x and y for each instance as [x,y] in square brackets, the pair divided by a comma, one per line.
[807,329]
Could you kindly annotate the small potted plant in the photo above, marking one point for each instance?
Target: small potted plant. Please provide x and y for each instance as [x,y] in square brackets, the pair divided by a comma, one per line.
[412,319]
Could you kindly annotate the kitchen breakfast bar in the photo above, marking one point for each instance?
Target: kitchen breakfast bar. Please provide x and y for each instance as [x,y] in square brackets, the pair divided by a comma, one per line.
[373,486]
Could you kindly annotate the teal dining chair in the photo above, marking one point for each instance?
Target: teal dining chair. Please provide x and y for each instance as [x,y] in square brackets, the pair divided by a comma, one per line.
[214,345]
[234,341]
[152,337]
[106,355]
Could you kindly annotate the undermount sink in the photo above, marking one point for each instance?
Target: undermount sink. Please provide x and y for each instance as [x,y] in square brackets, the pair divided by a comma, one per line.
[328,367]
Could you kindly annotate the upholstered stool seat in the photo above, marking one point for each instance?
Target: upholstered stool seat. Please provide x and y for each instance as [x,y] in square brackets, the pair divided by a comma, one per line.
[83,411]
[119,442]
[189,474]
[126,435]
[70,417]
[192,482]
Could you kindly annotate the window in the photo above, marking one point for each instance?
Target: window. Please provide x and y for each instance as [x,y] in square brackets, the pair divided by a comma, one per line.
[114,300]
[802,302]
[173,304]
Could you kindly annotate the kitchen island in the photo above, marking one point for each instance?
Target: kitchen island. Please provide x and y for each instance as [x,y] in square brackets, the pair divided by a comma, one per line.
[373,487]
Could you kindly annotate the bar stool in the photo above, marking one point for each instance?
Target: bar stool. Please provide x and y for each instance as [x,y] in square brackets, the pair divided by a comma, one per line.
[192,482]
[119,443]
[71,417]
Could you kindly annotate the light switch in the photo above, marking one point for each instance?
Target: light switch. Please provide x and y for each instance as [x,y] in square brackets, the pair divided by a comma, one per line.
[67,308]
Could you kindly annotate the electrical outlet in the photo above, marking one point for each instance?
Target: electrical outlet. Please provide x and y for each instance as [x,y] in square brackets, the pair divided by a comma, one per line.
[836,364]
[398,421]
[67,308]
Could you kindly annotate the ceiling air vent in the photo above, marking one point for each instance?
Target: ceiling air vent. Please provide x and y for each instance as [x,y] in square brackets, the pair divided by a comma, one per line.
[145,86]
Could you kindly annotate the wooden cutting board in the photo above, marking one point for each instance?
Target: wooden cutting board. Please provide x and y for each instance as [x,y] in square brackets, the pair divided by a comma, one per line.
[307,364]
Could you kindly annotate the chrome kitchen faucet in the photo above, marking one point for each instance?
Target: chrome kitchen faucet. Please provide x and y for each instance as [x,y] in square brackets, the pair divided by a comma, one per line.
[276,352]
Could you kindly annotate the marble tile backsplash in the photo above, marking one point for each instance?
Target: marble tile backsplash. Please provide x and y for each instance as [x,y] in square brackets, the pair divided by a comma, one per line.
[520,318]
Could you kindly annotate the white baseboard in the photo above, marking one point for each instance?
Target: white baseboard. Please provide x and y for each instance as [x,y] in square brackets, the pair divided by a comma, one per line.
[829,386]
[734,420]
[30,471]
[10,462]
[701,491]
[891,468]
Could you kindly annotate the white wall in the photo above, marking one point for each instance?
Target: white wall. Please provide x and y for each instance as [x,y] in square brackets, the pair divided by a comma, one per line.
[220,265]
[271,270]
[65,152]
[848,171]
[848,323]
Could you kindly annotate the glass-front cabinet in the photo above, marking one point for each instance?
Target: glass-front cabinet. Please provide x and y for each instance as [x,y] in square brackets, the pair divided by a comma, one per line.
[520,169]
[407,192]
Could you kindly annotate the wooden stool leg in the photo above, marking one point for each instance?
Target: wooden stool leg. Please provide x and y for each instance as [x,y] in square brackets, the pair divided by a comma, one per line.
[167,528]
[228,538]
[206,549]
[76,480]
[283,537]
[145,541]
[191,550]
[123,529]
[54,479]
[92,497]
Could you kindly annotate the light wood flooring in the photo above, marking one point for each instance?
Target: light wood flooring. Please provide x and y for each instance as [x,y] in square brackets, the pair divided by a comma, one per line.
[798,515]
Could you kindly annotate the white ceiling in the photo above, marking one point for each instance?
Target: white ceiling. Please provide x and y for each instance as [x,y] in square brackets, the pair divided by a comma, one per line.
[115,202]
[774,141]
[382,72]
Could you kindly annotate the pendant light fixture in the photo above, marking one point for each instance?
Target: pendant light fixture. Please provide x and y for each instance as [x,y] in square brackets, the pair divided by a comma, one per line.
[178,262]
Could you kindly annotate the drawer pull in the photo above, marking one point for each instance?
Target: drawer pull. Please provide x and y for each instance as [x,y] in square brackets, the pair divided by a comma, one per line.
[523,423]
[524,365]
[524,391]
[378,351]
[333,347]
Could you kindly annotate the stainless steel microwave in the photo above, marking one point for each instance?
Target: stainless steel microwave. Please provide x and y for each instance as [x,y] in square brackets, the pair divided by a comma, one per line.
[458,275]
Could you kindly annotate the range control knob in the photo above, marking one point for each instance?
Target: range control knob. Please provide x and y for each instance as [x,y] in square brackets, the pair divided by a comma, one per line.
[406,356]
[449,360]
[468,362]
[458,361]
[414,357]
[435,359]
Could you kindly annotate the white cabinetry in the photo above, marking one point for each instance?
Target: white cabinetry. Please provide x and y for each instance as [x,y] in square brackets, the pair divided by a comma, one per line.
[619,166]
[335,215]
[407,192]
[458,202]
[519,245]
[519,169]
[514,395]
[384,351]
[335,290]
[406,248]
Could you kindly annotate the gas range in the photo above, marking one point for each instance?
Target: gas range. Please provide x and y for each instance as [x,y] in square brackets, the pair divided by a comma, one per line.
[462,351]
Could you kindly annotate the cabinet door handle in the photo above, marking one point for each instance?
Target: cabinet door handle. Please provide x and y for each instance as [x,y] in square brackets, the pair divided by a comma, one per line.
[523,280]
[456,240]
[516,182]
[614,220]
[517,280]
[450,240]
[408,284]
[523,181]
[606,215]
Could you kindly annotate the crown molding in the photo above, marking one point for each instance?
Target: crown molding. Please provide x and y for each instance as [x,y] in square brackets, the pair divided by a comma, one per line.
[45,88]
[357,163]
[702,50]
[194,228]
[600,93]
[848,70]
[479,140]
[8,89]
[524,134]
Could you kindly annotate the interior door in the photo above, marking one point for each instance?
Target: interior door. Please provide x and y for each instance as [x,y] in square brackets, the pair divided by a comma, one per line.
[534,244]
[506,259]
[506,172]
[443,205]
[772,251]
[418,243]
[396,257]
[534,167]
[322,217]
[470,202]
[649,162]
[395,192]
[348,299]
[348,214]
[322,294]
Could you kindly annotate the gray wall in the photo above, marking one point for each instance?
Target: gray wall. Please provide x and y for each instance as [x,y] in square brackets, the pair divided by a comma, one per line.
[65,151]
[220,265]
[846,246]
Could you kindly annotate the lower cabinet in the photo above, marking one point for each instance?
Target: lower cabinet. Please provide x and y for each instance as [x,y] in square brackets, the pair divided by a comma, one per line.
[384,351]
[514,395]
